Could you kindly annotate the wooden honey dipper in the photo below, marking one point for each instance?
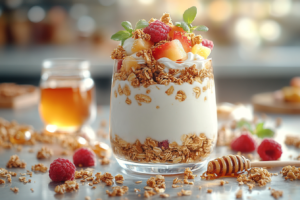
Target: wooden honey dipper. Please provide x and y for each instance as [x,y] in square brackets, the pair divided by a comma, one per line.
[235,164]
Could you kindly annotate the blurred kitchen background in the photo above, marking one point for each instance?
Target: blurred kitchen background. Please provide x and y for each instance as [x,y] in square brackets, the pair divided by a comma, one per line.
[257,42]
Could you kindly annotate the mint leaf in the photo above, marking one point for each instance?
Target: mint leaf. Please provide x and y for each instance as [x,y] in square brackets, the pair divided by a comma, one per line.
[141,24]
[265,133]
[121,35]
[259,127]
[127,26]
[199,28]
[190,14]
[183,25]
[243,123]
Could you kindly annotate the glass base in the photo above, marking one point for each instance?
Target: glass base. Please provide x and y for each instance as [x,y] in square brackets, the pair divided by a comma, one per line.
[158,168]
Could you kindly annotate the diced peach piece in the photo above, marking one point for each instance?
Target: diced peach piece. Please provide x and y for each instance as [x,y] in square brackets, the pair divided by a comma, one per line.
[130,63]
[201,50]
[172,50]
[173,29]
[295,82]
[140,44]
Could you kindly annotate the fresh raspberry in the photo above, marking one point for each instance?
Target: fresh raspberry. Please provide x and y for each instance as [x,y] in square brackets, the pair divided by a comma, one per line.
[164,143]
[120,62]
[84,157]
[269,149]
[158,31]
[62,170]
[208,43]
[244,143]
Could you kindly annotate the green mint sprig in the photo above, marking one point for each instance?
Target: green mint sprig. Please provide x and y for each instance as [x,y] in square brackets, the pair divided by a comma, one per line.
[259,130]
[127,33]
[188,17]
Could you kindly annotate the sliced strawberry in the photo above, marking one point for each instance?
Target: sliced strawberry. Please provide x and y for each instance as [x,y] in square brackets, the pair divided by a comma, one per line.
[172,50]
[119,65]
[186,43]
[173,29]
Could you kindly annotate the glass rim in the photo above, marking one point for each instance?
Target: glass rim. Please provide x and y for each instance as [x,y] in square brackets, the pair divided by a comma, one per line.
[66,63]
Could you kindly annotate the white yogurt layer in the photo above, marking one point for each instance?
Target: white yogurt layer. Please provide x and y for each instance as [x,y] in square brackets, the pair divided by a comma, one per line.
[192,59]
[168,122]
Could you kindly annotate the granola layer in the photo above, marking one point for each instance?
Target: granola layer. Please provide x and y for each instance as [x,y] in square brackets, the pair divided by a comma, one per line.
[193,148]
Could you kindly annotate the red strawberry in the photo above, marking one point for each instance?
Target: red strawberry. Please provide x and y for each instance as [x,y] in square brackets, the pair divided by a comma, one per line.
[172,50]
[186,43]
[119,65]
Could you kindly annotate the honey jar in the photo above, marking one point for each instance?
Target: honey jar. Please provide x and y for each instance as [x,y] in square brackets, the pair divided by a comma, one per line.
[67,99]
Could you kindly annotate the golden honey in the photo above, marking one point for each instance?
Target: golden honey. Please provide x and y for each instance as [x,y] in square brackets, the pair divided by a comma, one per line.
[227,166]
[66,107]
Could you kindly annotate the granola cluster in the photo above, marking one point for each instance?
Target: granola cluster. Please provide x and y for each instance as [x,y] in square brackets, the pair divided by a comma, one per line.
[276,193]
[258,176]
[117,191]
[15,162]
[44,153]
[39,167]
[194,147]
[153,73]
[292,140]
[68,186]
[291,172]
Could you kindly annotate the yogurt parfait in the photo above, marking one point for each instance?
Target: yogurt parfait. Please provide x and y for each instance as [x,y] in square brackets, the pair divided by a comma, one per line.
[163,114]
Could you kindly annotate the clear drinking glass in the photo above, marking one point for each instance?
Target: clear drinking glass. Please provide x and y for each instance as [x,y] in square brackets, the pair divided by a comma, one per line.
[162,128]
[67,100]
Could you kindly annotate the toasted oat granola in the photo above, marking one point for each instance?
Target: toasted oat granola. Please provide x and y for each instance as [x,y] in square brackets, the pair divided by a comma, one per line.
[39,167]
[166,18]
[291,172]
[157,182]
[194,148]
[276,193]
[260,176]
[139,34]
[118,53]
[239,194]
[68,186]
[117,191]
[170,90]
[44,153]
[184,193]
[149,193]
[292,140]
[15,189]
[15,161]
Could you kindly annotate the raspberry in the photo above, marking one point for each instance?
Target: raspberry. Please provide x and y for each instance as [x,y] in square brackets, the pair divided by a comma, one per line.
[62,170]
[84,157]
[158,31]
[208,43]
[244,143]
[164,143]
[269,149]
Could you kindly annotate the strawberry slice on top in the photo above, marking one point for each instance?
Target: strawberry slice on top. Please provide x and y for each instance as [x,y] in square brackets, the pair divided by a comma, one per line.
[186,43]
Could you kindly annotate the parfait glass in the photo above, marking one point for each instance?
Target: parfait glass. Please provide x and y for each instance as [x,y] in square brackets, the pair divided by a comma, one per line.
[165,126]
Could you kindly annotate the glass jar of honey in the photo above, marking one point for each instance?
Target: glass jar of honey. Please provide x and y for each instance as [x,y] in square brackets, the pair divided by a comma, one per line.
[67,100]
